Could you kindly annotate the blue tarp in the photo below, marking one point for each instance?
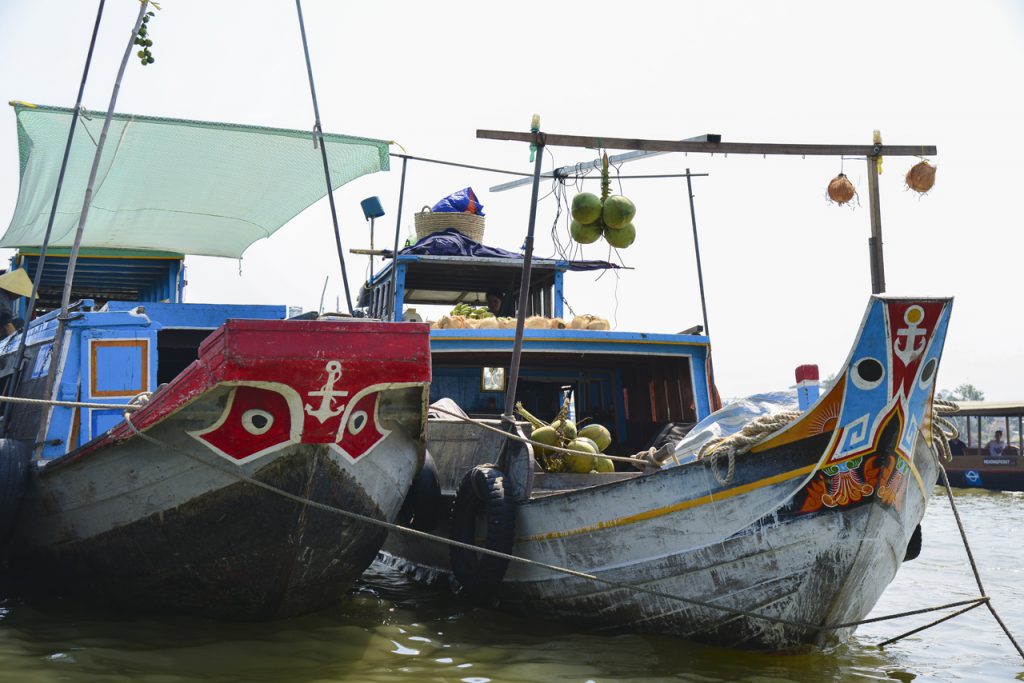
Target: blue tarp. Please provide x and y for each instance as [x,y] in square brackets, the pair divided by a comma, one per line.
[463,201]
[451,242]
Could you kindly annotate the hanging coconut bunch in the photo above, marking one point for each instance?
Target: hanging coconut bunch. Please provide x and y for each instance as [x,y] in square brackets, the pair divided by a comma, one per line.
[609,215]
[921,177]
[841,190]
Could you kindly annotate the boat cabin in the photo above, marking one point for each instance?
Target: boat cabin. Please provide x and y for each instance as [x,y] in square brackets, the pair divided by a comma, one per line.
[989,451]
[643,386]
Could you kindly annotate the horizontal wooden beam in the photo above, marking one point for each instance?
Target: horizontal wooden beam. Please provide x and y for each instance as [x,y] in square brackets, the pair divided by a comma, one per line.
[763,148]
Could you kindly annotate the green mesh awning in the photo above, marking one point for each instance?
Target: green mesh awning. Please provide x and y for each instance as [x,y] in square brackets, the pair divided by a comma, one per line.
[190,187]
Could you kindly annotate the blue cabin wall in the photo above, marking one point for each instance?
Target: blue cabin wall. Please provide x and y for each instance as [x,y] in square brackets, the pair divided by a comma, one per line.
[107,358]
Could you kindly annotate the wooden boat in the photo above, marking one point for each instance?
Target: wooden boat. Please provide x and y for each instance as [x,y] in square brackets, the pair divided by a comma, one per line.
[198,504]
[975,464]
[809,530]
[163,514]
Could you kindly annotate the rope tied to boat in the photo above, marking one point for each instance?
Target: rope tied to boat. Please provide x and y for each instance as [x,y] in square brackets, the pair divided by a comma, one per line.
[943,430]
[948,430]
[130,406]
[753,433]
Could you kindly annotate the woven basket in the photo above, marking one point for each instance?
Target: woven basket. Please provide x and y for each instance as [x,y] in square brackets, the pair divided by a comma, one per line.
[469,224]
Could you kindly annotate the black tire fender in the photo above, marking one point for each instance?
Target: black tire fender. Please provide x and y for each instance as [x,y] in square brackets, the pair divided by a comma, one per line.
[15,459]
[914,545]
[482,491]
[423,506]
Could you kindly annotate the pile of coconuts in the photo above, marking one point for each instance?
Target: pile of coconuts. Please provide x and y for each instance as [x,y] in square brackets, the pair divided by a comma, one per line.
[610,216]
[586,444]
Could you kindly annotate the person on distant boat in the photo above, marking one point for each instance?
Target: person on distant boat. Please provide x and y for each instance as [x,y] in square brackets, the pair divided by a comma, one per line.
[498,305]
[12,285]
[957,447]
[996,445]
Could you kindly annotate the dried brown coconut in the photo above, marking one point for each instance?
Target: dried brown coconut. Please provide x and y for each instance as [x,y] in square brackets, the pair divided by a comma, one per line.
[921,177]
[841,190]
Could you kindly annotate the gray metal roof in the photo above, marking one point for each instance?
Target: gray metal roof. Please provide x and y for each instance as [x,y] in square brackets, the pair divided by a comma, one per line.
[991,408]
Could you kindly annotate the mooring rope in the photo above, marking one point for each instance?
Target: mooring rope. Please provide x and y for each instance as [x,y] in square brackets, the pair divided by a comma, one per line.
[940,443]
[74,404]
[234,471]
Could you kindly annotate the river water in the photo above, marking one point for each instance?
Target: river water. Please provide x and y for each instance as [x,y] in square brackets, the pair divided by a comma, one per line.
[389,630]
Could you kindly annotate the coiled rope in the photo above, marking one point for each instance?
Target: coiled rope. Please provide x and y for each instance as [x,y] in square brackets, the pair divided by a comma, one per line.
[753,433]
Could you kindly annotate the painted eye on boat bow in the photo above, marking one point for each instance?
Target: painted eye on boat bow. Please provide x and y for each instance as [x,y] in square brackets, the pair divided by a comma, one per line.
[867,373]
[255,421]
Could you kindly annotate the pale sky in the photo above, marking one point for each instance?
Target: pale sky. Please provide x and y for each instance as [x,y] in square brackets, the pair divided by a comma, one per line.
[786,273]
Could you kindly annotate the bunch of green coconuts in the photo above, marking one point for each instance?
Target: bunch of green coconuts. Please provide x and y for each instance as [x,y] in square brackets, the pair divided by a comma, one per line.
[610,216]
[587,444]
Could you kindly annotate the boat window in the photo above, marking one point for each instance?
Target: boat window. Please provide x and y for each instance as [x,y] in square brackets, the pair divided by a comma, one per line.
[492,379]
[176,349]
[976,431]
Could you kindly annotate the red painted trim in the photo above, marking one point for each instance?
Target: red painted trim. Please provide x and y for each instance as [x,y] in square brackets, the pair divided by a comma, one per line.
[293,352]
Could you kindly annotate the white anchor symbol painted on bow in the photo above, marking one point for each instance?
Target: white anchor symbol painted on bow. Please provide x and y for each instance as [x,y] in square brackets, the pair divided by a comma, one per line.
[911,348]
[327,395]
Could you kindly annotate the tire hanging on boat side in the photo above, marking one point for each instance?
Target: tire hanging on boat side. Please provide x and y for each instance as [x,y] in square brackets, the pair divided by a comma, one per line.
[423,506]
[914,545]
[482,491]
[15,458]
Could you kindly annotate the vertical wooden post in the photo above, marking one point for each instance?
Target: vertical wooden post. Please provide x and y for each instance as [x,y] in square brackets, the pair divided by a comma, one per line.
[398,232]
[703,300]
[875,242]
[56,366]
[524,290]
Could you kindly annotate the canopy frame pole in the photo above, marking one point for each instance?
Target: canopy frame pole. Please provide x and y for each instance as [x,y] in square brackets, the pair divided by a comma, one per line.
[395,315]
[15,382]
[62,319]
[319,133]
[700,283]
[524,287]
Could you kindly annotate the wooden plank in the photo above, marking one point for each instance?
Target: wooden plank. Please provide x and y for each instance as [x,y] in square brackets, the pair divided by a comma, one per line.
[708,147]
